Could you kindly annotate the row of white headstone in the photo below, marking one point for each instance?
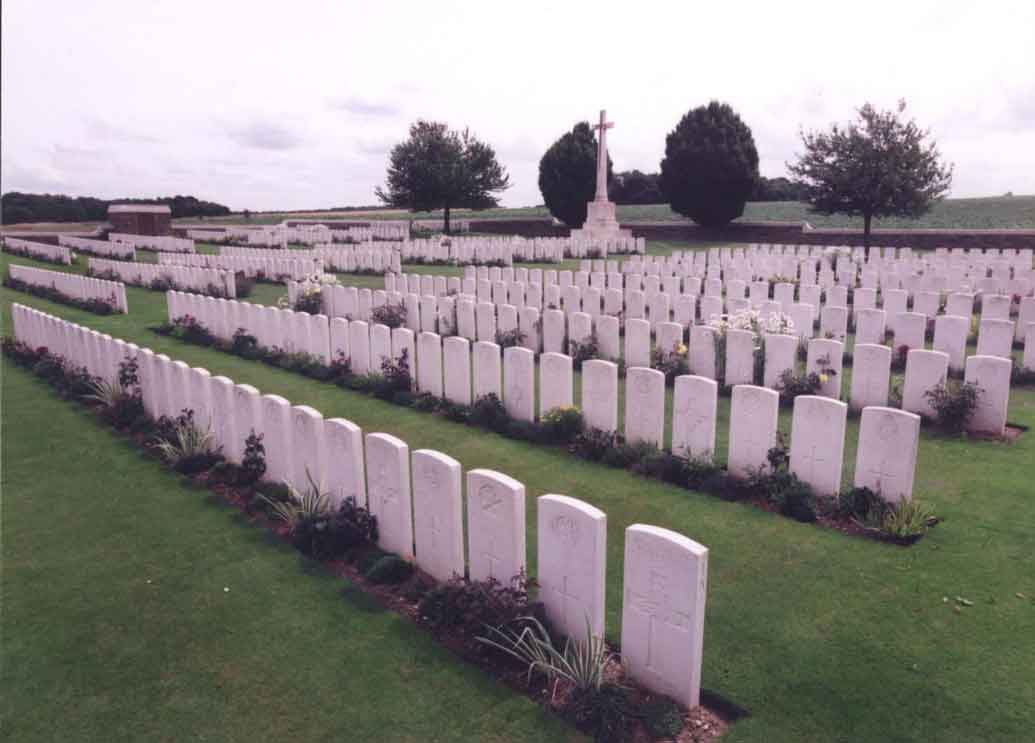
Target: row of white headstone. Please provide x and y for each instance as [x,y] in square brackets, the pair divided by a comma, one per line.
[355,258]
[161,243]
[74,285]
[1011,274]
[103,248]
[374,231]
[418,501]
[998,331]
[281,268]
[442,366]
[184,277]
[33,249]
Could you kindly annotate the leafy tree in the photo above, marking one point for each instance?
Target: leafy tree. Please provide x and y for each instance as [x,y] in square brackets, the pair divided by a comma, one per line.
[27,207]
[880,166]
[710,166]
[568,174]
[634,187]
[778,189]
[437,168]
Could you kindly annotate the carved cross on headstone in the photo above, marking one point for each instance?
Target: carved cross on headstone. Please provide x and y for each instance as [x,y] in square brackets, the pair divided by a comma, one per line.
[564,593]
[883,471]
[490,555]
[657,607]
[813,458]
[602,127]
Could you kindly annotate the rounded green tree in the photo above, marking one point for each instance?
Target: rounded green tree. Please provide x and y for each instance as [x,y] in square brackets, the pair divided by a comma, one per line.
[568,174]
[711,165]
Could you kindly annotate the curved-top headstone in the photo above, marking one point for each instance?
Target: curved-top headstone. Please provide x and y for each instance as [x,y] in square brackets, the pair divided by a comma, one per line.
[346,473]
[309,452]
[818,442]
[664,594]
[694,404]
[388,493]
[885,460]
[495,526]
[753,418]
[438,514]
[572,564]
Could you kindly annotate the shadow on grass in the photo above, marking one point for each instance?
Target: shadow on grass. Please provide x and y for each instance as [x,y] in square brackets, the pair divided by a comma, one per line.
[359,600]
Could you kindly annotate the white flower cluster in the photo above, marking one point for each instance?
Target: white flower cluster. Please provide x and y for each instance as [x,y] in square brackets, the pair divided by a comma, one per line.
[753,320]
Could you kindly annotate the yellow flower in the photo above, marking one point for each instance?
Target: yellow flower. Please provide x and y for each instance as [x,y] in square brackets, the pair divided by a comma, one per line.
[824,378]
[681,349]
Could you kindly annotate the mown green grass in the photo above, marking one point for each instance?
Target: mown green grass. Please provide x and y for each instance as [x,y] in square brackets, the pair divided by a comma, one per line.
[995,212]
[823,637]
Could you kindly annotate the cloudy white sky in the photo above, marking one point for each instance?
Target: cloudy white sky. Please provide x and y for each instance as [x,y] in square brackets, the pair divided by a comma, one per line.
[295,105]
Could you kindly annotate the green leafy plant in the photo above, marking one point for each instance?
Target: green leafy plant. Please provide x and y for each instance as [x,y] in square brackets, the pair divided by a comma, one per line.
[510,338]
[253,463]
[310,503]
[954,404]
[189,449]
[389,569]
[466,607]
[562,424]
[586,350]
[671,363]
[488,412]
[907,521]
[392,315]
[581,663]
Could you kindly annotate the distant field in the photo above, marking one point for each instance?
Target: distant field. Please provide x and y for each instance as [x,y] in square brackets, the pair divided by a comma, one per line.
[1000,212]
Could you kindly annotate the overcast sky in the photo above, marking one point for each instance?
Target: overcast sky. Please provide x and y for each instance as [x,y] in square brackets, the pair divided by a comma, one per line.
[296,104]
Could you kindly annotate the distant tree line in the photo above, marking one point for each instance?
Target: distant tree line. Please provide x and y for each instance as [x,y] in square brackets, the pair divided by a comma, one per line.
[18,207]
[635,187]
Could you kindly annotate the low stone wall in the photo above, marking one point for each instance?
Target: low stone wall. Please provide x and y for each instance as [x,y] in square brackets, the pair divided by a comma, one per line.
[789,233]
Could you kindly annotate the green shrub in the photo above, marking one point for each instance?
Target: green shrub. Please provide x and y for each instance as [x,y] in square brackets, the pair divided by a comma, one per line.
[467,606]
[907,521]
[562,425]
[389,570]
[510,338]
[253,464]
[710,167]
[954,404]
[584,351]
[662,718]
[488,412]
[392,315]
[593,444]
[607,713]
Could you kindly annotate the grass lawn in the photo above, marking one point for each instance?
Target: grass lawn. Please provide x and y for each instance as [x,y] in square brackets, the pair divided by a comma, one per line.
[823,637]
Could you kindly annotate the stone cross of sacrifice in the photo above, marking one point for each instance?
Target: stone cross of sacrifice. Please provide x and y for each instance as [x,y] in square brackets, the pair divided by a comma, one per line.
[603,126]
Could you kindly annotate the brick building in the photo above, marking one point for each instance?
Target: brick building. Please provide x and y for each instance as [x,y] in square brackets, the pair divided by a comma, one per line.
[140,219]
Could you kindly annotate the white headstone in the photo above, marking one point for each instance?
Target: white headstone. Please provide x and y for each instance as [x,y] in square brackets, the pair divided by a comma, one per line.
[753,417]
[991,374]
[487,373]
[925,370]
[694,407]
[644,406]
[600,394]
[818,442]
[664,590]
[519,383]
[555,382]
[495,526]
[388,493]
[885,460]
[572,564]
[345,468]
[871,374]
[438,514]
